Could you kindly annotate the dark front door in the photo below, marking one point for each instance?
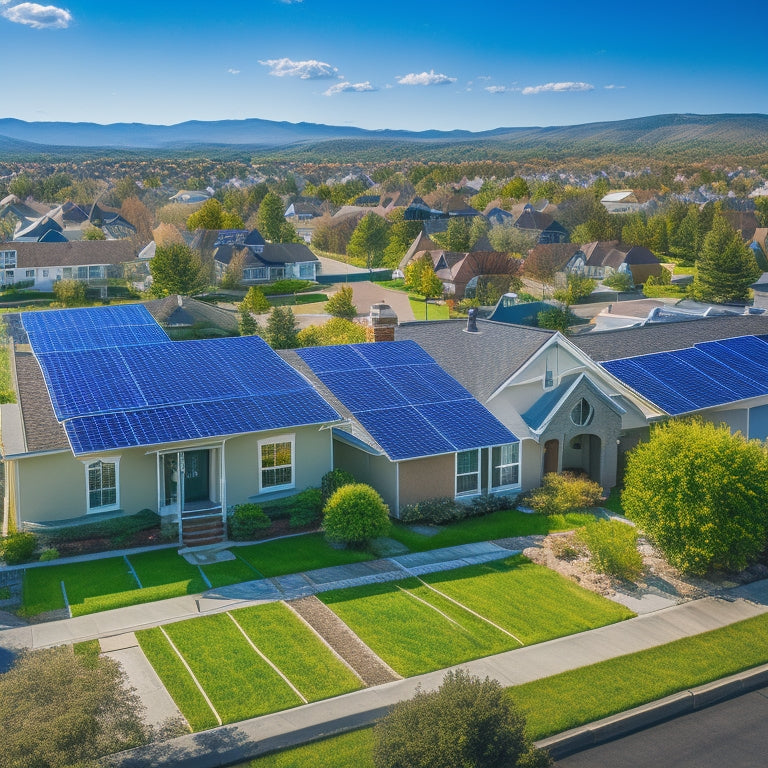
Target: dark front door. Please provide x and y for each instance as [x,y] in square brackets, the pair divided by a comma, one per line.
[196,476]
[551,456]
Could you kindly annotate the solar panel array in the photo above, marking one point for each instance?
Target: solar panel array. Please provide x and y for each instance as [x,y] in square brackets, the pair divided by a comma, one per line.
[705,375]
[404,399]
[132,388]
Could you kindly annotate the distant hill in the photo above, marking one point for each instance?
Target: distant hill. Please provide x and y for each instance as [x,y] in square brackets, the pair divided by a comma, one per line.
[661,136]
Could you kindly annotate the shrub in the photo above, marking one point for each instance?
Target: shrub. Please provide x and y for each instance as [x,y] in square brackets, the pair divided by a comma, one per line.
[282,287]
[619,281]
[488,503]
[18,547]
[117,529]
[355,514]
[434,511]
[334,480]
[613,548]
[342,304]
[466,722]
[307,507]
[246,521]
[701,494]
[567,547]
[49,554]
[563,493]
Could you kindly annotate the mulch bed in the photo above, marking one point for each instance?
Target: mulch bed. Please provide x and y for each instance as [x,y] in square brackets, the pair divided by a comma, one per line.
[371,669]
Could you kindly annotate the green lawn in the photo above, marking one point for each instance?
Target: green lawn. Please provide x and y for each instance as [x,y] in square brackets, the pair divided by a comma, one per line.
[532,602]
[570,699]
[296,651]
[166,574]
[230,572]
[410,635]
[497,525]
[433,312]
[236,679]
[176,679]
[296,554]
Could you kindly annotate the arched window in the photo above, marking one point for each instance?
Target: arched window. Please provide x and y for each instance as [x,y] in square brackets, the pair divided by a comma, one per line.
[582,413]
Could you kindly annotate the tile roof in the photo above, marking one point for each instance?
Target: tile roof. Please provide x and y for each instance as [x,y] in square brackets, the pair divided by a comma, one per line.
[481,361]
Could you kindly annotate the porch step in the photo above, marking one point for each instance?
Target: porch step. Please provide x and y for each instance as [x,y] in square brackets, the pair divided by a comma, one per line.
[202,531]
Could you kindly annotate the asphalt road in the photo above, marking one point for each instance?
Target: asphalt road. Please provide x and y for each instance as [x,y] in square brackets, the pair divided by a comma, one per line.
[733,734]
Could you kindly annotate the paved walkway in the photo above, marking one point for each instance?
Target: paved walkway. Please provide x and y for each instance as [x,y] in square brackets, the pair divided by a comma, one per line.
[248,739]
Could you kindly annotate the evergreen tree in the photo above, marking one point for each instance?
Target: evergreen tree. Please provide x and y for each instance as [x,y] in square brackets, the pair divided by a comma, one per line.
[247,323]
[369,240]
[726,267]
[256,301]
[281,331]
[176,268]
[341,304]
[270,220]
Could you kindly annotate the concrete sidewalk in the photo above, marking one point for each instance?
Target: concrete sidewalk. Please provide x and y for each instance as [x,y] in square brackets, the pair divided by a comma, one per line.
[229,745]
[123,620]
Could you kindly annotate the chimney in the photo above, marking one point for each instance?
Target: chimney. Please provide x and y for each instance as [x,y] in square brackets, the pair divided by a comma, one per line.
[472,320]
[381,323]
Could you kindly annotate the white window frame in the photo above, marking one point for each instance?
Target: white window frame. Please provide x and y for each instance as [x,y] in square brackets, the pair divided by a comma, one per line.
[255,273]
[471,491]
[105,507]
[585,420]
[29,273]
[502,465]
[291,439]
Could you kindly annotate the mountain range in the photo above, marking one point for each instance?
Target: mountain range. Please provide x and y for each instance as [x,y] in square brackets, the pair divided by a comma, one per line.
[657,136]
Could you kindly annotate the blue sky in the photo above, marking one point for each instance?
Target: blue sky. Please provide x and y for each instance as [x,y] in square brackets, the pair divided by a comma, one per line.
[399,64]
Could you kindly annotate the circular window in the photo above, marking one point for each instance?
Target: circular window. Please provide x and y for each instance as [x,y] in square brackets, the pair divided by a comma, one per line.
[582,413]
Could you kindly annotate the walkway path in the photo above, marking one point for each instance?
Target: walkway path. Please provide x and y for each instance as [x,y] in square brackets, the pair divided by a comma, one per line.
[248,739]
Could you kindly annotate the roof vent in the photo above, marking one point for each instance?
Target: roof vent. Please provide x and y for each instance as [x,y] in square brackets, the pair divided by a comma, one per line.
[472,320]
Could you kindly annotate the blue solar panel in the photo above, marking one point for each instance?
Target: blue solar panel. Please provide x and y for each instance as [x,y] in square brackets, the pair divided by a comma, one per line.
[751,347]
[741,386]
[743,365]
[408,404]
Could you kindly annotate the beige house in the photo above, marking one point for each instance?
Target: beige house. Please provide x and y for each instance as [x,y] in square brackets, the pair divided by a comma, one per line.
[112,417]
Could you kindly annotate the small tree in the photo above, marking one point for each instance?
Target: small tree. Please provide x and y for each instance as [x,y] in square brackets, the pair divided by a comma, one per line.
[430,286]
[563,493]
[256,301]
[355,514]
[93,233]
[270,219]
[281,331]
[342,304]
[176,268]
[233,275]
[338,330]
[701,494]
[69,293]
[369,240]
[246,322]
[612,545]
[211,215]
[58,709]
[466,722]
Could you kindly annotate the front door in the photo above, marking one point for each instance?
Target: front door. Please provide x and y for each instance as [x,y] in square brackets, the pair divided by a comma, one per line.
[196,476]
[551,456]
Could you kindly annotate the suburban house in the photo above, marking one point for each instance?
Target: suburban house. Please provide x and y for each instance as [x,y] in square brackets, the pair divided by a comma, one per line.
[621,201]
[41,265]
[112,415]
[302,210]
[65,223]
[409,429]
[602,259]
[259,261]
[541,225]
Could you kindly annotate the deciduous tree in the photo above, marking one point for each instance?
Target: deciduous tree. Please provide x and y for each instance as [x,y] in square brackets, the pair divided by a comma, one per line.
[211,215]
[176,268]
[369,240]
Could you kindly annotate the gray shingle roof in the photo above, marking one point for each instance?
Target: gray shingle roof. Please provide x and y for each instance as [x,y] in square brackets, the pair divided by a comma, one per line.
[72,254]
[481,361]
[629,342]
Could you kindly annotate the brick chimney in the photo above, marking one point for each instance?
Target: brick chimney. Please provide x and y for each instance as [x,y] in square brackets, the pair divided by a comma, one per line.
[381,323]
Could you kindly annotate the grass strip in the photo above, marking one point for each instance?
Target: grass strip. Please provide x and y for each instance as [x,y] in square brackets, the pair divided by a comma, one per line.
[580,696]
[176,679]
[297,651]
[498,525]
[41,591]
[532,602]
[89,650]
[299,553]
[411,635]
[229,572]
[237,680]
[165,567]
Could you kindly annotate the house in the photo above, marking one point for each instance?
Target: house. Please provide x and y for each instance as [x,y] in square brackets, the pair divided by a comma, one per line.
[567,411]
[759,246]
[302,211]
[418,210]
[602,259]
[621,201]
[113,417]
[542,225]
[262,262]
[41,265]
[498,217]
[410,430]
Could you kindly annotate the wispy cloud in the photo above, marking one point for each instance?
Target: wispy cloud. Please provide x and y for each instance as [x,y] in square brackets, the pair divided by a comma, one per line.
[557,88]
[613,87]
[344,87]
[291,2]
[497,89]
[37,16]
[426,78]
[233,71]
[311,69]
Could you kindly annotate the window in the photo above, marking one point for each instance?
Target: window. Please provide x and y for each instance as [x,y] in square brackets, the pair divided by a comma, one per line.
[277,273]
[7,259]
[276,463]
[45,273]
[468,472]
[82,273]
[67,273]
[102,479]
[30,273]
[307,271]
[505,465]
[255,273]
[549,379]
[582,413]
[95,273]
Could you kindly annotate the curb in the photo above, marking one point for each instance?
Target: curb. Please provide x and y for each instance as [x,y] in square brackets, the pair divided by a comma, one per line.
[684,702]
